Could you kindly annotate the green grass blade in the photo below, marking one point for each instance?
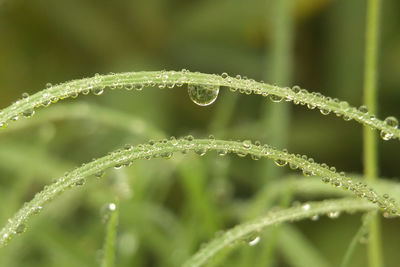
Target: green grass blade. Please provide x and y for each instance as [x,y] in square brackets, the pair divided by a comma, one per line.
[356,239]
[370,143]
[241,231]
[165,149]
[111,235]
[97,84]
[297,250]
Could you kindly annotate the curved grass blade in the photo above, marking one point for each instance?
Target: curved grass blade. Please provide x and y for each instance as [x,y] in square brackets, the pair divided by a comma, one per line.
[165,149]
[168,79]
[242,231]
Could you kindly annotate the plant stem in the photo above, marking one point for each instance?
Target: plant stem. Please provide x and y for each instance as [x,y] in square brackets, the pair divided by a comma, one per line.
[370,141]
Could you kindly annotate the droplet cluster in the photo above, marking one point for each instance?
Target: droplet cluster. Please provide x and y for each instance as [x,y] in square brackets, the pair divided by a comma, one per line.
[203,90]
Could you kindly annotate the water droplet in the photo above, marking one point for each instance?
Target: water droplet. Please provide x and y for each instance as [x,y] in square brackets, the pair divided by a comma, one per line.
[306,206]
[166,155]
[224,75]
[37,209]
[189,138]
[333,214]
[391,121]
[246,144]
[203,95]
[280,162]
[363,109]
[385,135]
[97,90]
[20,228]
[28,113]
[118,166]
[80,182]
[296,89]
[275,98]
[139,86]
[128,147]
[201,151]
[315,218]
[222,152]
[325,179]
[112,207]
[99,174]
[324,111]
[3,125]
[254,241]
[25,95]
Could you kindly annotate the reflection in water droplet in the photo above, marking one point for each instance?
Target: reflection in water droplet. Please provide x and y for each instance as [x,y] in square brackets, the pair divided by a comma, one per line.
[255,241]
[203,95]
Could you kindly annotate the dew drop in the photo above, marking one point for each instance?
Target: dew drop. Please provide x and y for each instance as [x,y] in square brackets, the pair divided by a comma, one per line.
[306,206]
[80,182]
[324,111]
[296,89]
[391,121]
[224,75]
[280,162]
[3,125]
[254,241]
[118,166]
[275,98]
[112,207]
[99,174]
[222,152]
[166,155]
[203,95]
[246,144]
[97,90]
[315,218]
[201,151]
[385,135]
[28,113]
[128,147]
[20,228]
[333,214]
[363,109]
[37,209]
[139,86]
[25,95]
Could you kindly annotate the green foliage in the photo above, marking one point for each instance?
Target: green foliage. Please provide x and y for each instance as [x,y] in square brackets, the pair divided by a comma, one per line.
[198,207]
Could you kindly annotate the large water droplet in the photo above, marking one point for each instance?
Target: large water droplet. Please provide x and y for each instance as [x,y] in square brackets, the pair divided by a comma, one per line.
[203,95]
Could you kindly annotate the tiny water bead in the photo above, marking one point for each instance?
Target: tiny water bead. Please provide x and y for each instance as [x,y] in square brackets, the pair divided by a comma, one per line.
[203,95]
[20,228]
[97,90]
[28,113]
[99,174]
[246,144]
[254,241]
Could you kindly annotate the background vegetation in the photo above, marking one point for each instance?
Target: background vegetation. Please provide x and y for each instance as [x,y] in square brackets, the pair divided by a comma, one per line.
[169,208]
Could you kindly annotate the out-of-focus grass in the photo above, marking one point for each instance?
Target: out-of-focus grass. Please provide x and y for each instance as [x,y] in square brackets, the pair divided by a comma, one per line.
[169,208]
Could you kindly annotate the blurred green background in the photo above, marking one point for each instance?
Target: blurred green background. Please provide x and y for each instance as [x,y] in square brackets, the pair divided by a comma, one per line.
[168,208]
